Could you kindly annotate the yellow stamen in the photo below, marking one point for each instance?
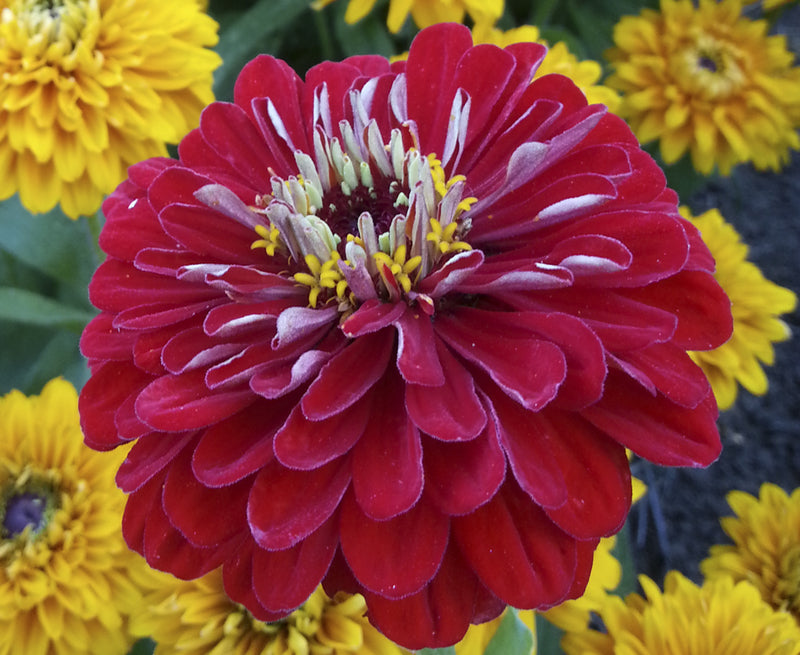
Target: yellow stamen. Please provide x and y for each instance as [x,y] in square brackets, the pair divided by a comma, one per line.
[444,239]
[270,240]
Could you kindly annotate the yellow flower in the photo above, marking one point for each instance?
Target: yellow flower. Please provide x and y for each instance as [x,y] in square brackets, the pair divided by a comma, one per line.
[718,618]
[585,73]
[68,582]
[89,87]
[195,617]
[424,12]
[756,304]
[766,546]
[708,81]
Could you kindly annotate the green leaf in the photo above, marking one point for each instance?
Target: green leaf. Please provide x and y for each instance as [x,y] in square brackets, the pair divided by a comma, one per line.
[31,308]
[548,637]
[50,243]
[513,637]
[369,36]
[624,555]
[450,650]
[259,29]
[143,647]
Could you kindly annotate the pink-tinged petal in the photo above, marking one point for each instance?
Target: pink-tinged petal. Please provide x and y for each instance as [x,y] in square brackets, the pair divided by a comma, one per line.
[451,411]
[348,376]
[417,358]
[296,323]
[621,323]
[305,445]
[175,403]
[284,579]
[276,380]
[101,396]
[153,317]
[192,348]
[701,306]
[462,476]
[669,370]
[591,255]
[148,457]
[224,201]
[325,94]
[411,547]
[286,506]
[237,371]
[206,516]
[233,320]
[527,369]
[371,316]
[595,470]
[526,440]
[495,278]
[517,551]
[453,273]
[100,340]
[250,284]
[438,615]
[387,459]
[241,445]
[654,427]
[432,60]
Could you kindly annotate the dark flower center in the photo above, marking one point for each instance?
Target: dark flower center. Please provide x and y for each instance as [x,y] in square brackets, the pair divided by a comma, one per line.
[22,510]
[708,63]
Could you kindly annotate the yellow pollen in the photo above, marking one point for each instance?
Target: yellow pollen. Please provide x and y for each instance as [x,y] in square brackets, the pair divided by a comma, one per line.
[397,267]
[322,276]
[270,240]
[444,239]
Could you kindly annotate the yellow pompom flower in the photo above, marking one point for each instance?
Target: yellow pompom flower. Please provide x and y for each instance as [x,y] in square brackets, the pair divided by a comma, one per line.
[89,87]
[706,80]
[68,581]
[721,617]
[756,304]
[766,546]
[423,12]
[195,617]
[585,73]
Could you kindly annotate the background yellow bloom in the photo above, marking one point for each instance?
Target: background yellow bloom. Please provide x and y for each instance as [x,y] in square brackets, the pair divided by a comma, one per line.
[756,304]
[708,81]
[89,87]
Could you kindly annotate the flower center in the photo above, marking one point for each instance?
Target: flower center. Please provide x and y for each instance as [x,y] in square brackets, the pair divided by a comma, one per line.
[364,218]
[48,22]
[26,506]
[711,67]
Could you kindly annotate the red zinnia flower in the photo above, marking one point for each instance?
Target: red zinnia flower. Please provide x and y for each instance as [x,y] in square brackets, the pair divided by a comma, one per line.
[391,328]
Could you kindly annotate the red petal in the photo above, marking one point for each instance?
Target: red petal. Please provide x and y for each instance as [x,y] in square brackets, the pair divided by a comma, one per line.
[237,578]
[192,348]
[516,551]
[452,411]
[174,403]
[527,369]
[205,516]
[305,445]
[387,460]
[284,579]
[371,316]
[286,506]
[348,376]
[417,359]
[397,557]
[654,427]
[462,476]
[240,445]
[438,615]
[100,340]
[148,457]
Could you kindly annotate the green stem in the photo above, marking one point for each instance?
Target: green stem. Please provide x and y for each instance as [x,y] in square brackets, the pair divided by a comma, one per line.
[325,41]
[95,225]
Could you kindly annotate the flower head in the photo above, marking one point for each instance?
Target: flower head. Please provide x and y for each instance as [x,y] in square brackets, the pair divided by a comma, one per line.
[766,546]
[195,617]
[89,87]
[756,304]
[424,12]
[684,619]
[67,580]
[585,73]
[391,327]
[706,80]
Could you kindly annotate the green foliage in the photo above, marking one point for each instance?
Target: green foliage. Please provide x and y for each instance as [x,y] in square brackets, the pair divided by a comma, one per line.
[513,637]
